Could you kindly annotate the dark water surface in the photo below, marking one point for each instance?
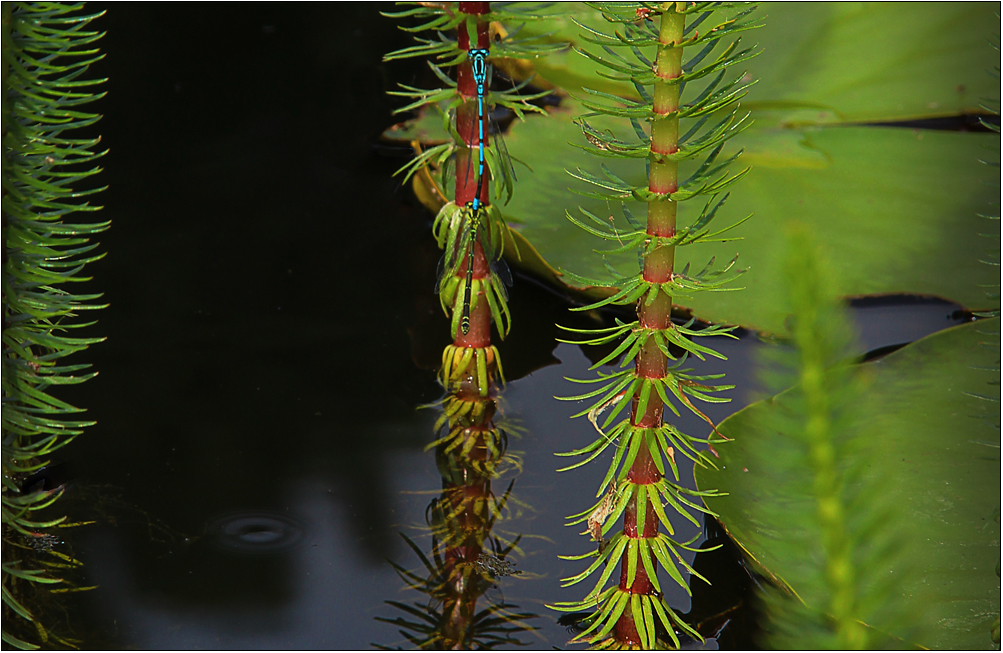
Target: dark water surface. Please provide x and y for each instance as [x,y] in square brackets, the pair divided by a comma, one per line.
[271,332]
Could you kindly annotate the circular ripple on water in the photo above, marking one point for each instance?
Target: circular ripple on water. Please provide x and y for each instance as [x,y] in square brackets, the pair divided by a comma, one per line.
[256,532]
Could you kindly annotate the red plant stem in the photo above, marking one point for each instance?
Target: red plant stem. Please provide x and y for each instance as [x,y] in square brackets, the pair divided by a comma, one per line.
[474,9]
[652,363]
[460,610]
[465,505]
[479,334]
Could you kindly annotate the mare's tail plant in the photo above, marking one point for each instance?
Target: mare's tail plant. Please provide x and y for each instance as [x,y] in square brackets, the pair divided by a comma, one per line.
[648,50]
[469,227]
[847,526]
[47,48]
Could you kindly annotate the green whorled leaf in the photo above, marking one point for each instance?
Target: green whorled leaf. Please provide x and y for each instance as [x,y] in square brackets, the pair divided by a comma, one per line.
[619,603]
[941,447]
[673,497]
[10,601]
[46,53]
[35,501]
[662,555]
[29,422]
[617,189]
[604,558]
[440,18]
[633,36]
[420,97]
[585,604]
[641,37]
[627,69]
[725,60]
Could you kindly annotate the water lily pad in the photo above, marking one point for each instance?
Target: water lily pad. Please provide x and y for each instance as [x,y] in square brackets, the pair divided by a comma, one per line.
[940,398]
[835,62]
[898,206]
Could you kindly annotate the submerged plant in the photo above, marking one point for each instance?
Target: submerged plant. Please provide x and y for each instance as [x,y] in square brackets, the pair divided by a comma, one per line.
[47,50]
[648,50]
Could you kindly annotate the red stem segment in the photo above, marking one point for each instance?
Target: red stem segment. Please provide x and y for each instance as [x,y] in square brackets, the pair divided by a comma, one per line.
[658,265]
[479,334]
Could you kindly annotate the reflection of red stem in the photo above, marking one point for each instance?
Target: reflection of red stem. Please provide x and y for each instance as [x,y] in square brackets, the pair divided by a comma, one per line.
[466,503]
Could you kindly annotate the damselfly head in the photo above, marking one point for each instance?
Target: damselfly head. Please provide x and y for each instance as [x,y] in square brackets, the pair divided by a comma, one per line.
[479,65]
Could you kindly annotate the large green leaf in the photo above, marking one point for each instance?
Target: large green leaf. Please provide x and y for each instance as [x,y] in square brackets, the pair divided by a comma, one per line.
[826,62]
[876,61]
[939,416]
[898,205]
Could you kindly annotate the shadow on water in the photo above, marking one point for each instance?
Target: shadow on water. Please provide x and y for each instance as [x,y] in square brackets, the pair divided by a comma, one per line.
[257,449]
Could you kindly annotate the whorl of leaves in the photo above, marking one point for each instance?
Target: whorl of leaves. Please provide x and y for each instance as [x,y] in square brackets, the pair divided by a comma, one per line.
[636,50]
[447,22]
[47,51]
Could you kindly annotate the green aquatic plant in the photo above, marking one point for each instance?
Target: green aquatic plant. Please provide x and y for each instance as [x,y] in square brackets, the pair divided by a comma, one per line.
[865,493]
[666,128]
[463,175]
[828,447]
[47,49]
[470,170]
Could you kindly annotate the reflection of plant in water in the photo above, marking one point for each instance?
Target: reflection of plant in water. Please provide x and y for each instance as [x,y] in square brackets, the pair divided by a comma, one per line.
[637,486]
[52,576]
[465,559]
[47,50]
[449,618]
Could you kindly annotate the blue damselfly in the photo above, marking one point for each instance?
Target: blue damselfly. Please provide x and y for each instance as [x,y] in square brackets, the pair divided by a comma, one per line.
[474,216]
[479,66]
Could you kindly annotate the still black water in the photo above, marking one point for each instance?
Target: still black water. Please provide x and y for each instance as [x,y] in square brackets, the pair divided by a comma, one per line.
[271,333]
